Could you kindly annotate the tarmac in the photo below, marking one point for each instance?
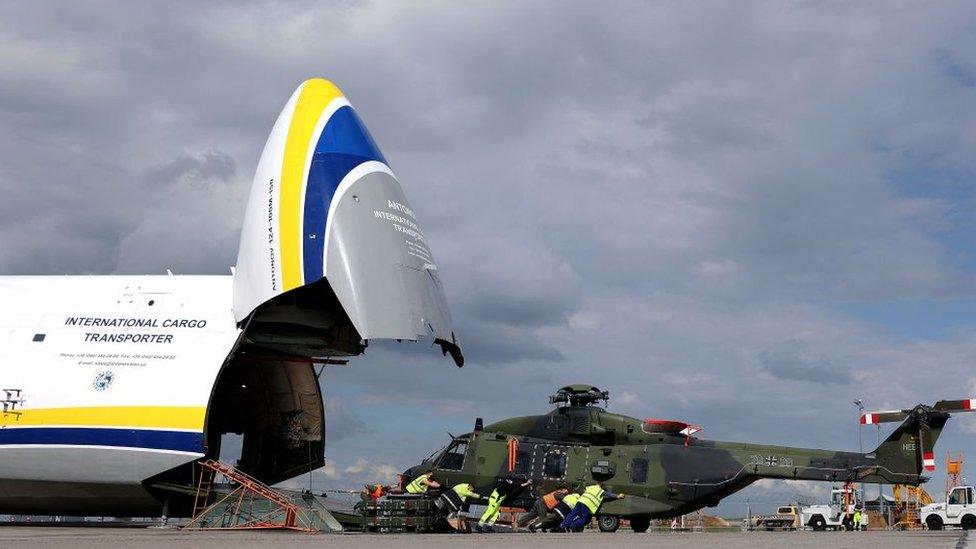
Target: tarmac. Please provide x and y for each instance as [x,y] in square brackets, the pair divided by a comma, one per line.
[145,538]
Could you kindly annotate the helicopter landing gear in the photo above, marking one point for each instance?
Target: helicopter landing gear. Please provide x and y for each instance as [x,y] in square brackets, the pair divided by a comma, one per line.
[640,524]
[608,523]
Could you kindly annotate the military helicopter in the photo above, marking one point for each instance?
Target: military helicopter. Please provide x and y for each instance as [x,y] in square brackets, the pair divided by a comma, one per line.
[660,465]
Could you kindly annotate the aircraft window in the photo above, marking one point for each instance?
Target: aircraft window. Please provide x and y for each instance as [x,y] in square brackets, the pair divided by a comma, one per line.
[554,464]
[453,459]
[434,454]
[39,337]
[522,462]
[638,470]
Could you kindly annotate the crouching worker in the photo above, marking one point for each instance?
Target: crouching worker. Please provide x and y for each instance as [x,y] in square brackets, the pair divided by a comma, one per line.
[590,500]
[559,513]
[420,484]
[504,488]
[457,501]
[542,508]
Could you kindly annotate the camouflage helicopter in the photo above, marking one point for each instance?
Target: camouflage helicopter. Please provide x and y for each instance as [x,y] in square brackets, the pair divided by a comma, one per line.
[662,468]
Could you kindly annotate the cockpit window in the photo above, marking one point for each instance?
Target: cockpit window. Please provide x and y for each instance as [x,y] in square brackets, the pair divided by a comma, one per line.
[434,454]
[453,458]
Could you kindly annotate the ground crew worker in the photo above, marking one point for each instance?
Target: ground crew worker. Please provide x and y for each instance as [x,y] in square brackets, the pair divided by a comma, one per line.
[541,508]
[505,487]
[857,519]
[457,501]
[590,500]
[560,512]
[420,484]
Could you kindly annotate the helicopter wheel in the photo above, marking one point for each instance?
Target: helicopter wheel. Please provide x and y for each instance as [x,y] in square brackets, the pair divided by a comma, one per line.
[640,524]
[608,523]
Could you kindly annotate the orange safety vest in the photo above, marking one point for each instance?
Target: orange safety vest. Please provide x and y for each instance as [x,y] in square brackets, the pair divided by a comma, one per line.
[550,500]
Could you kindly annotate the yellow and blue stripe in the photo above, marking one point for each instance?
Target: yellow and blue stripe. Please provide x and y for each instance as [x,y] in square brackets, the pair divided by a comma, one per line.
[172,428]
[343,144]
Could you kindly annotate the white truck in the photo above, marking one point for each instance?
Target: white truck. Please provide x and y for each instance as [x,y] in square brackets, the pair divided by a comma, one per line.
[959,509]
[838,514]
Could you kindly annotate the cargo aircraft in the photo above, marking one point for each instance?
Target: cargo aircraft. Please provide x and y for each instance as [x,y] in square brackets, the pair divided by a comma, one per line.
[112,387]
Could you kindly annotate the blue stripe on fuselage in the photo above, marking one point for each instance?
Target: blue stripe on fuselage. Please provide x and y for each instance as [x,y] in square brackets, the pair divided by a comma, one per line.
[344,144]
[83,436]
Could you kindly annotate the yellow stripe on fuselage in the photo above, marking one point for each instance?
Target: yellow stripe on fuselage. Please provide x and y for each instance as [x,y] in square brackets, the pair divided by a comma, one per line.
[149,417]
[312,100]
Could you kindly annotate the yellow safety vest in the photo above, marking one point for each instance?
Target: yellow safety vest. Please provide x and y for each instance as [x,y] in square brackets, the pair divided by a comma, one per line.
[571,500]
[592,497]
[418,486]
[464,493]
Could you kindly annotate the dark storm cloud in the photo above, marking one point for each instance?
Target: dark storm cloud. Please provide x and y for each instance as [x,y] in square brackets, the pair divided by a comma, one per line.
[660,199]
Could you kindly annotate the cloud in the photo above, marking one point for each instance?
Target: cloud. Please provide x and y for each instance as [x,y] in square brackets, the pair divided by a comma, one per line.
[340,422]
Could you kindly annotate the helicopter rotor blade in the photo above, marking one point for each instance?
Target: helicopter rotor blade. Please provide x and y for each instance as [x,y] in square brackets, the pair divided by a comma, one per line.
[965,405]
[888,416]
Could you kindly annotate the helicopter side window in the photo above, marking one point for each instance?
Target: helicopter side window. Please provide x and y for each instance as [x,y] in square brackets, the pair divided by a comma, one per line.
[522,462]
[638,470]
[554,464]
[453,458]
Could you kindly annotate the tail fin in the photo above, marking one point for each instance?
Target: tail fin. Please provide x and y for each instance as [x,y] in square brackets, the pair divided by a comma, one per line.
[909,450]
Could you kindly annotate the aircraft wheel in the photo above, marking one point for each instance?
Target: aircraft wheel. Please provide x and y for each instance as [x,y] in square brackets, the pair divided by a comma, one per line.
[640,524]
[934,522]
[818,523]
[608,523]
[968,522]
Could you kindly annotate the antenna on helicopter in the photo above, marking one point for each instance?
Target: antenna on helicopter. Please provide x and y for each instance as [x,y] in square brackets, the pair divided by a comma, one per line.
[579,396]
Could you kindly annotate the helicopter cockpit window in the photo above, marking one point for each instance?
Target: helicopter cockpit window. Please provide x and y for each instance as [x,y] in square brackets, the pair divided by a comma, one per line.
[453,458]
[638,471]
[554,464]
[522,462]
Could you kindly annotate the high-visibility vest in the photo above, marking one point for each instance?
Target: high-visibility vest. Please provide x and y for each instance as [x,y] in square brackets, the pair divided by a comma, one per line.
[418,485]
[592,497]
[550,499]
[571,500]
[464,492]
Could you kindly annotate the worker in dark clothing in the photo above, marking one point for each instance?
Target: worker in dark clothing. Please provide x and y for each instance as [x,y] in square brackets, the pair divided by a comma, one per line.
[590,500]
[541,508]
[457,501]
[504,488]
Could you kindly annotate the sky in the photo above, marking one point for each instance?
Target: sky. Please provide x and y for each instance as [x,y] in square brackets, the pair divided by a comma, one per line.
[741,214]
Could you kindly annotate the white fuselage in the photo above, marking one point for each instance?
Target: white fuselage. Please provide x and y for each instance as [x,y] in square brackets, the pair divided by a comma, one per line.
[107,381]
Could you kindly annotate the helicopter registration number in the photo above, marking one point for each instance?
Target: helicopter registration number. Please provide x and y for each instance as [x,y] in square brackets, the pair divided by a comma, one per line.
[771,461]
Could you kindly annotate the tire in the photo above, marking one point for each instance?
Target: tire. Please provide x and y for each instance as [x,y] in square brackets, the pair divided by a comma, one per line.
[640,524]
[934,522]
[608,523]
[968,522]
[817,523]
[847,525]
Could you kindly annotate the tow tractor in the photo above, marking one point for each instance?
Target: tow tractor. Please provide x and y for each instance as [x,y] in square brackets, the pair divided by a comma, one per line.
[959,509]
[838,514]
